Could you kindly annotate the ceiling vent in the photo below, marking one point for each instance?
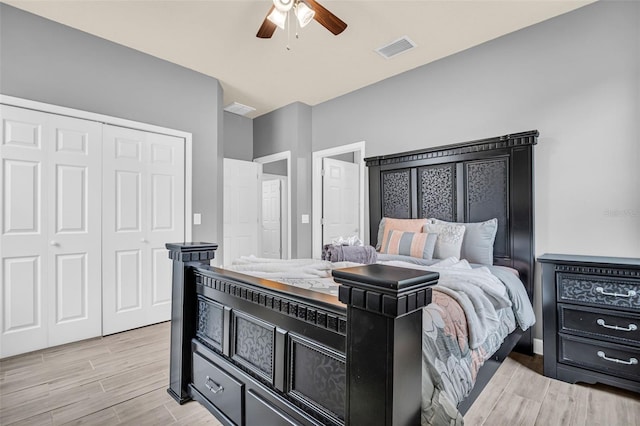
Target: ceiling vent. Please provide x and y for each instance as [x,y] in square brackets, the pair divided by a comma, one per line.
[395,48]
[237,108]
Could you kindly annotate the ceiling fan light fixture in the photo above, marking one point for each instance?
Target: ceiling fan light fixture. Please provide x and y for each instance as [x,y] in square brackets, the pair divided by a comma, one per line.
[283,5]
[304,13]
[278,17]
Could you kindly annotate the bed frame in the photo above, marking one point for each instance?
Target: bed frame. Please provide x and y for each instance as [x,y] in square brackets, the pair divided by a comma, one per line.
[255,351]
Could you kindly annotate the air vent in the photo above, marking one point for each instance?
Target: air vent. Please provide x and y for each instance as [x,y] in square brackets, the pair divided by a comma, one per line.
[395,48]
[237,108]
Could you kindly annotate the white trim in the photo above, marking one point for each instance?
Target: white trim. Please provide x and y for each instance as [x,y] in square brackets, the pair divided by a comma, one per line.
[188,189]
[537,346]
[284,155]
[121,122]
[316,192]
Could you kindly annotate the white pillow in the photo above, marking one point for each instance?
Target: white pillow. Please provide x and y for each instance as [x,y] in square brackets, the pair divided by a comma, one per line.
[449,242]
[477,245]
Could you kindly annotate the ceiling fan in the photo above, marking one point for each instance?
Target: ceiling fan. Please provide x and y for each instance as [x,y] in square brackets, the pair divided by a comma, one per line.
[305,11]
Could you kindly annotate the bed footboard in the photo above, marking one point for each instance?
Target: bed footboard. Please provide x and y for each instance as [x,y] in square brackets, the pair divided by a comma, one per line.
[258,352]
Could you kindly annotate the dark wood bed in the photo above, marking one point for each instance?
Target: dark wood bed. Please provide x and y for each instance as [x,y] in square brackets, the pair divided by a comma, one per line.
[258,352]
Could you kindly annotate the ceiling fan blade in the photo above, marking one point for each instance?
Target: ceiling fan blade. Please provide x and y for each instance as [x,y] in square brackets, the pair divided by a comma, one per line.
[326,18]
[267,28]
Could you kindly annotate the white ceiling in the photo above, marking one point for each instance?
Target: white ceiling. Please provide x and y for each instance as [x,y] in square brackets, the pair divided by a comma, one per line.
[217,38]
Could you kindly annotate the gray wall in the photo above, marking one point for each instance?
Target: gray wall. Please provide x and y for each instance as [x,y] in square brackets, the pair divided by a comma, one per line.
[289,129]
[275,168]
[44,61]
[238,137]
[575,78]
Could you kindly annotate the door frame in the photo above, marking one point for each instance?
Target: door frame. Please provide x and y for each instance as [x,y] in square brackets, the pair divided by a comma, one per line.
[279,156]
[121,122]
[358,149]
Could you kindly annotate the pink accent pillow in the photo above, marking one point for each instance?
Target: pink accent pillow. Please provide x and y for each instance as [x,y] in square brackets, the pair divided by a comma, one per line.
[388,224]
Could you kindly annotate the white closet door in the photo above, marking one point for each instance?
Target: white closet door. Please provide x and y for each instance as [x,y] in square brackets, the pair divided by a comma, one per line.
[75,226]
[165,222]
[50,242]
[143,194]
[24,245]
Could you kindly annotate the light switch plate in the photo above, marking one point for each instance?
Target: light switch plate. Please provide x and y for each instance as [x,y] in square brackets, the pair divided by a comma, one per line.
[305,218]
[197,218]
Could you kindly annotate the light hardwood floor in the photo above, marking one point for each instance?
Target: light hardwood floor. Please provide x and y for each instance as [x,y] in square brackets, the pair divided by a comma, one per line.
[122,379]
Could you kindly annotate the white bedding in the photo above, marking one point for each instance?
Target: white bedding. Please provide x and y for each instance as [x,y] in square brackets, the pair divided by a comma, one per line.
[480,293]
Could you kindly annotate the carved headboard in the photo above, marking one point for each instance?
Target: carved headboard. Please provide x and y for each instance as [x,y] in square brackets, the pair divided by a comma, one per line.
[467,182]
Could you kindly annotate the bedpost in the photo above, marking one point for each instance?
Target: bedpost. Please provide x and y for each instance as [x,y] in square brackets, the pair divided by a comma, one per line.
[384,342]
[183,311]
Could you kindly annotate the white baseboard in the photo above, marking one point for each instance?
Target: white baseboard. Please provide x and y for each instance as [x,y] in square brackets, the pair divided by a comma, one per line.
[537,346]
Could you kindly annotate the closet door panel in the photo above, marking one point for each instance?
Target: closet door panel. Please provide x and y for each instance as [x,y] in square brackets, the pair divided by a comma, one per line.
[71,287]
[144,200]
[23,326]
[21,197]
[128,200]
[128,281]
[124,242]
[165,220]
[160,288]
[24,240]
[74,229]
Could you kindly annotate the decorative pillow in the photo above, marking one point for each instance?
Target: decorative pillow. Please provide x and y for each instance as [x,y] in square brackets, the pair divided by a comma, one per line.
[406,225]
[449,242]
[414,244]
[477,245]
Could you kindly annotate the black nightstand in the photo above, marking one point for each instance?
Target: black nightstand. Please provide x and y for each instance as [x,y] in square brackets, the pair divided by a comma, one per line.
[591,319]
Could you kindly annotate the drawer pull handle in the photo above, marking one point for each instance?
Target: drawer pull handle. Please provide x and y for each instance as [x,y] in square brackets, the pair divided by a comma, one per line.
[216,388]
[632,327]
[632,361]
[630,293]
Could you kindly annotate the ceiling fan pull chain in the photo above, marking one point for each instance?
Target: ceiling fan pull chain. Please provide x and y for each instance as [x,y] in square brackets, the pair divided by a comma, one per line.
[296,21]
[288,31]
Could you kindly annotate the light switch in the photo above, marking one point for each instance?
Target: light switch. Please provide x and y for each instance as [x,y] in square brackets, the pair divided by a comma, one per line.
[197,218]
[305,218]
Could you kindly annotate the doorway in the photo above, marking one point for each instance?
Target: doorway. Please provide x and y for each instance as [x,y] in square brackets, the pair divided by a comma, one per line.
[276,168]
[356,152]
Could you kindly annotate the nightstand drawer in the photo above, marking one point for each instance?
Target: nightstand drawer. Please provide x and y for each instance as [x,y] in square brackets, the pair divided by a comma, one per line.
[592,322]
[610,359]
[619,293]
[224,391]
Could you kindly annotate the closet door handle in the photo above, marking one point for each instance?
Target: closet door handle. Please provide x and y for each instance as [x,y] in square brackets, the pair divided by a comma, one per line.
[602,323]
[631,361]
[54,243]
[143,240]
[630,293]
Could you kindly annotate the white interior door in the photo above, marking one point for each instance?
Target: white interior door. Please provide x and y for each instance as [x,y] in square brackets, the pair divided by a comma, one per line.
[240,209]
[271,218]
[143,191]
[50,244]
[340,200]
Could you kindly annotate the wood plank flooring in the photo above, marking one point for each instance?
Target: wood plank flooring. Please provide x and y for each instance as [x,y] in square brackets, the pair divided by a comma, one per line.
[518,394]
[117,379]
[122,379]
